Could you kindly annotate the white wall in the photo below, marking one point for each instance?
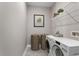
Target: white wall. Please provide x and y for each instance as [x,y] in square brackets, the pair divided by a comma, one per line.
[64,22]
[38,30]
[13,28]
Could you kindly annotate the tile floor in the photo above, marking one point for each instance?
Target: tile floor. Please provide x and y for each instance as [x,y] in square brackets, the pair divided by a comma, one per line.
[39,52]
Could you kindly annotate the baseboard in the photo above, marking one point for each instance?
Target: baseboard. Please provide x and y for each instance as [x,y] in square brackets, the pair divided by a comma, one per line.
[29,45]
[26,50]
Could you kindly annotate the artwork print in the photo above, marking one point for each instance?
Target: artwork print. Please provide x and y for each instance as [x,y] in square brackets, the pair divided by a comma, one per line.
[38,20]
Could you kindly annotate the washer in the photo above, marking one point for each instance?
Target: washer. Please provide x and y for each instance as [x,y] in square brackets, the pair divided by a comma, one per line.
[51,43]
[62,46]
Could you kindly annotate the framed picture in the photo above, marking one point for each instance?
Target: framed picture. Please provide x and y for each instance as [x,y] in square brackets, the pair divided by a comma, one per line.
[38,20]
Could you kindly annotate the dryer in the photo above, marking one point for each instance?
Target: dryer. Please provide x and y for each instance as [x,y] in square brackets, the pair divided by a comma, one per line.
[62,46]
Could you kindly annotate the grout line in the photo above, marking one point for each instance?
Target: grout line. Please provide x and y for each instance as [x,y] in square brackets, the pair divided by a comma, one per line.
[65,15]
[72,17]
[67,5]
[68,13]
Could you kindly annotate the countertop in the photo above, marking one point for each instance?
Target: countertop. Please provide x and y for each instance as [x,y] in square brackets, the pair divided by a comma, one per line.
[65,41]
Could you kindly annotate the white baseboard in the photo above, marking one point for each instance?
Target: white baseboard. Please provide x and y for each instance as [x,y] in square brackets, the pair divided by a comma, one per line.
[26,50]
[29,45]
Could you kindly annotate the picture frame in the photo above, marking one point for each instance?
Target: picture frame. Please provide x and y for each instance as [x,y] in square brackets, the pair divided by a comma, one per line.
[38,20]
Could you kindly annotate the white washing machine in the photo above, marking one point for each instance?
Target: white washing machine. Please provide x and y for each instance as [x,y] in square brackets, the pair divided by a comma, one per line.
[62,46]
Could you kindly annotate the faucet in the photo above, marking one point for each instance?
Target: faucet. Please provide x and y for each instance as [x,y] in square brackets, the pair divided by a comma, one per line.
[58,34]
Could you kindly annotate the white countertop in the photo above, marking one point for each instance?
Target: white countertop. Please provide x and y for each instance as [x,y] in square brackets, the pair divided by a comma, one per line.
[65,41]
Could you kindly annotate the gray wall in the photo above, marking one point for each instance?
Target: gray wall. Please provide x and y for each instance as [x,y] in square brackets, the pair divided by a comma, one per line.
[38,30]
[66,22]
[12,28]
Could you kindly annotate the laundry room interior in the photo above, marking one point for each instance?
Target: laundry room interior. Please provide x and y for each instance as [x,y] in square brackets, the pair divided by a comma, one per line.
[39,28]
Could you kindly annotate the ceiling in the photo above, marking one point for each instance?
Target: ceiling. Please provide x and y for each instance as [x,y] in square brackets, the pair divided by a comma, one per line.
[41,4]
